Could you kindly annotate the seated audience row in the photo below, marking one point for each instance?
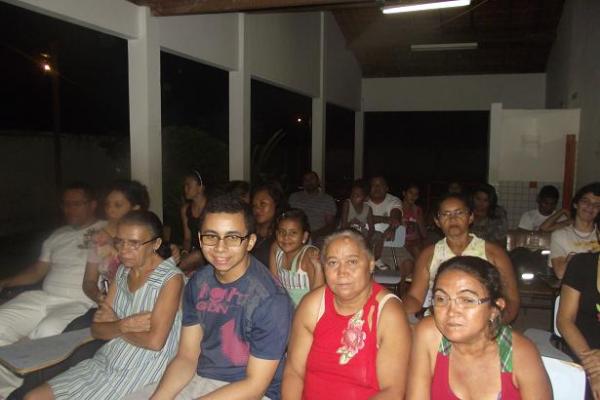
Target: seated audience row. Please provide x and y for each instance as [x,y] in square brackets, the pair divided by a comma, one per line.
[237,313]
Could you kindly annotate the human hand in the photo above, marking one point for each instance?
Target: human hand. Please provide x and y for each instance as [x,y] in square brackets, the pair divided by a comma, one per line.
[136,323]
[105,313]
[591,361]
[389,234]
[175,253]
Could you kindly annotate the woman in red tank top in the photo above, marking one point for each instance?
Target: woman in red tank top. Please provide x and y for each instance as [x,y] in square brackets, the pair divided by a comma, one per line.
[463,351]
[348,341]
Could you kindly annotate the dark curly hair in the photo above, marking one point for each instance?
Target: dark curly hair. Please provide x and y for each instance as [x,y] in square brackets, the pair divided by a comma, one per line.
[229,204]
[135,193]
[295,214]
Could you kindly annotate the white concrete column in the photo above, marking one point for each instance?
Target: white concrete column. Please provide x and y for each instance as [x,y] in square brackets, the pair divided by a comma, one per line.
[144,108]
[239,112]
[319,107]
[359,144]
[495,143]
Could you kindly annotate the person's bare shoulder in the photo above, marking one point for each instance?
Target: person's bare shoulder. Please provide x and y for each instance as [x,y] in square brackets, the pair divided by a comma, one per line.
[427,332]
[524,350]
[308,309]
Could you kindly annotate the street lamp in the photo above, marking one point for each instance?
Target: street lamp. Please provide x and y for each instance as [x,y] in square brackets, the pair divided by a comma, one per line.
[49,65]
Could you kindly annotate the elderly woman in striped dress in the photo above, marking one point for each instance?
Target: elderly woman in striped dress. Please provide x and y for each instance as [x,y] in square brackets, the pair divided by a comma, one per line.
[140,317]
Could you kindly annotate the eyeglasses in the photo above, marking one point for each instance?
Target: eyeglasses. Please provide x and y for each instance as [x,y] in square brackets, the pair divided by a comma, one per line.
[440,300]
[120,244]
[229,240]
[453,214]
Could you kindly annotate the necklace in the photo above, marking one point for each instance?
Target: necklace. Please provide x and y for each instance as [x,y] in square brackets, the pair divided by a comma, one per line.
[584,236]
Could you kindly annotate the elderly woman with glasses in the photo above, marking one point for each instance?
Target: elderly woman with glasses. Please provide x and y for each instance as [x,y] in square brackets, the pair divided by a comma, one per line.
[350,338]
[453,217]
[140,317]
[464,351]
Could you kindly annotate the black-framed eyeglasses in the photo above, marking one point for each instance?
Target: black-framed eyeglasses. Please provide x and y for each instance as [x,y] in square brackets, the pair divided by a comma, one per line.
[210,239]
[440,300]
[120,244]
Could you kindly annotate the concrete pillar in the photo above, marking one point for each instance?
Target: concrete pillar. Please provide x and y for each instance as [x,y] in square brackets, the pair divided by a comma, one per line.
[359,143]
[239,112]
[319,106]
[144,108]
[495,143]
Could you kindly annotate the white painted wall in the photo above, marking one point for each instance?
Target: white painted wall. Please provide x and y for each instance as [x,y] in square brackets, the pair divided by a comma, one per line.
[115,17]
[454,93]
[342,71]
[283,49]
[529,145]
[573,79]
[210,39]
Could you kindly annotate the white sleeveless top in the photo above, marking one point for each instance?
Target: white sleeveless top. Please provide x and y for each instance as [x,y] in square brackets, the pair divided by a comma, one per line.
[443,253]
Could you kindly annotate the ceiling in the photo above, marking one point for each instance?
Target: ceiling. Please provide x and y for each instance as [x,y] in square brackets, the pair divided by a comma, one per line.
[513,36]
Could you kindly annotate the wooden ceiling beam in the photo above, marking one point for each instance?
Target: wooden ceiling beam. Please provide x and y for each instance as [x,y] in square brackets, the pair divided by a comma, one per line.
[183,7]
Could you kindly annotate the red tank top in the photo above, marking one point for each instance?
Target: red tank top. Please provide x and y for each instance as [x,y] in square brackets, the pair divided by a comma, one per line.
[342,359]
[440,384]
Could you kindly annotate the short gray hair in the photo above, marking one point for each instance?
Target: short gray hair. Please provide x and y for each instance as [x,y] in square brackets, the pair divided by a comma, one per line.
[351,234]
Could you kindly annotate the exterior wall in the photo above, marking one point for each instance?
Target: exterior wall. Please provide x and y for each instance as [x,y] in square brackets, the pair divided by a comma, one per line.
[210,39]
[342,71]
[454,93]
[283,49]
[573,79]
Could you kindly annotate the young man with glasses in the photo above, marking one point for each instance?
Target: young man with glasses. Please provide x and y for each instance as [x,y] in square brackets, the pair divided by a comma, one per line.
[236,317]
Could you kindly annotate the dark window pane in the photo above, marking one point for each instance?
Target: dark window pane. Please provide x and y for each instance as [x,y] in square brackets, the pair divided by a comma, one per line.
[281,135]
[195,134]
[339,151]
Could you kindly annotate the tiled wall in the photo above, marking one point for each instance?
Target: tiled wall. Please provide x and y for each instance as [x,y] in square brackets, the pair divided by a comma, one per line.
[518,197]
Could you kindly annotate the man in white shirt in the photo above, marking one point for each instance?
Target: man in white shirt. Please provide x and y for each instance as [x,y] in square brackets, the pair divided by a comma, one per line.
[387,216]
[40,313]
[547,200]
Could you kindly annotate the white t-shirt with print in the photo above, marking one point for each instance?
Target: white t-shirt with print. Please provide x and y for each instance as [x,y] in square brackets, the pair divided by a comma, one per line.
[66,250]
[569,240]
[384,209]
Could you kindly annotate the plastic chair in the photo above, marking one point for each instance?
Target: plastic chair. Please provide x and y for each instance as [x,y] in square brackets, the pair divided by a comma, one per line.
[556,303]
[567,379]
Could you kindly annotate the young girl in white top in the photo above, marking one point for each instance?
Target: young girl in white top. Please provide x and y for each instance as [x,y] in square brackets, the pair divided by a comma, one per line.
[293,260]
[358,215]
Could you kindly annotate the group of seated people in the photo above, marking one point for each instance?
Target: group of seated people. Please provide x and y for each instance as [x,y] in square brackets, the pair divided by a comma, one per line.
[267,300]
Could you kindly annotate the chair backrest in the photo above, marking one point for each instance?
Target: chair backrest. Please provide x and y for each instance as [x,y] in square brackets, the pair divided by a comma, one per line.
[567,379]
[399,238]
[556,303]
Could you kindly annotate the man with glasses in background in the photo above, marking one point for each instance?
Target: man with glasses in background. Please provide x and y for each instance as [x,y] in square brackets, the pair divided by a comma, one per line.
[236,317]
[61,264]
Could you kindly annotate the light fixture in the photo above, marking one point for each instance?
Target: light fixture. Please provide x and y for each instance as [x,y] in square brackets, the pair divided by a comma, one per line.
[444,46]
[393,9]
[527,276]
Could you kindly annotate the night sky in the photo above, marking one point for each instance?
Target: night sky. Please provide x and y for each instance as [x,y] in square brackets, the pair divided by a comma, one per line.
[93,67]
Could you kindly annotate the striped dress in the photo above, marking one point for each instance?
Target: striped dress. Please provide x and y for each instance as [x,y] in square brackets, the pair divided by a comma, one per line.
[119,367]
[294,280]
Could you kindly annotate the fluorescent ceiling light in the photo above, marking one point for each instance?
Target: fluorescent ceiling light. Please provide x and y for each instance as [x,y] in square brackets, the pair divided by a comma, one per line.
[425,6]
[443,46]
